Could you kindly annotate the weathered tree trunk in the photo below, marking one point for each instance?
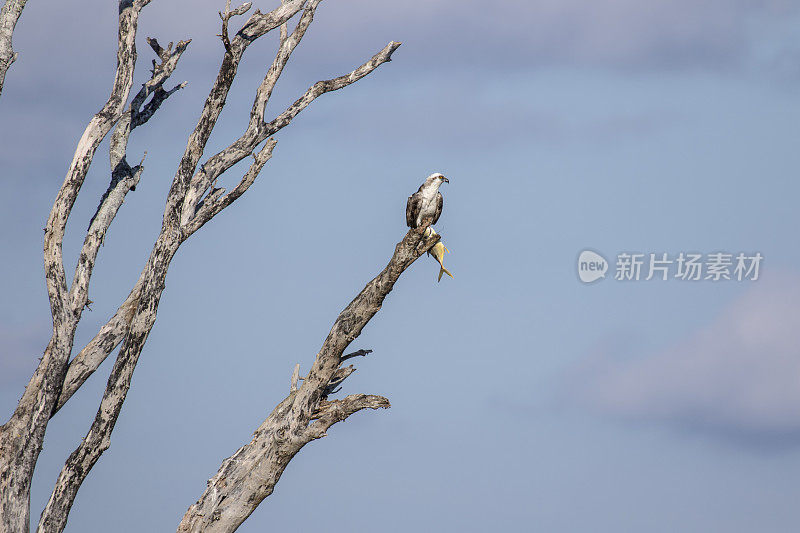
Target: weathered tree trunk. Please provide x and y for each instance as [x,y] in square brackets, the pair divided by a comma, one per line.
[22,436]
[9,14]
[192,201]
[250,474]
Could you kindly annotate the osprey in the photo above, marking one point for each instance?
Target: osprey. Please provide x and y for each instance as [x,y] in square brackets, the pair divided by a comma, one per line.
[426,203]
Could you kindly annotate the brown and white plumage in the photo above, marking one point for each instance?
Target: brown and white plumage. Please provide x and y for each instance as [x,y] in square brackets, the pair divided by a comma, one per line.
[426,203]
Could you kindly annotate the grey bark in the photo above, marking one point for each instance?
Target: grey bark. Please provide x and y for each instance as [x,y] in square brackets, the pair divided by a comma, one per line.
[192,201]
[9,15]
[124,178]
[22,436]
[250,474]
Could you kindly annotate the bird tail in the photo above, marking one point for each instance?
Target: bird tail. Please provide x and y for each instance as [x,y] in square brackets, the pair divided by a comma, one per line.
[443,270]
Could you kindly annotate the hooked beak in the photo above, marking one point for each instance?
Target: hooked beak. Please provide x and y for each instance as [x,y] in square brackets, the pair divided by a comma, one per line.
[445,180]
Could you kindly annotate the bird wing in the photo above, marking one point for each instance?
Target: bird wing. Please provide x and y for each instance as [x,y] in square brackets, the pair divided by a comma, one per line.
[438,212]
[413,206]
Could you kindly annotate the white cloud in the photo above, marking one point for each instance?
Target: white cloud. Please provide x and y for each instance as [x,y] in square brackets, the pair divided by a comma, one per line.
[739,376]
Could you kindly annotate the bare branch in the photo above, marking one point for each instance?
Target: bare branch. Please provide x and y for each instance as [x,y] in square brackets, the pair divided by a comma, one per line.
[288,43]
[359,353]
[155,85]
[192,201]
[97,440]
[170,238]
[330,413]
[257,129]
[22,436]
[9,15]
[98,349]
[124,178]
[260,23]
[172,234]
[295,378]
[226,16]
[247,143]
[159,96]
[250,474]
[162,54]
[257,25]
[322,87]
[97,129]
[217,200]
[337,379]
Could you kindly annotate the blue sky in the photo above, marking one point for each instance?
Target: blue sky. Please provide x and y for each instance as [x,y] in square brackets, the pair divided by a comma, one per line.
[521,399]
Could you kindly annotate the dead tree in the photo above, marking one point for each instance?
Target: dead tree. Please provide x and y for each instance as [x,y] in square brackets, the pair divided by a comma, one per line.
[194,198]
[9,15]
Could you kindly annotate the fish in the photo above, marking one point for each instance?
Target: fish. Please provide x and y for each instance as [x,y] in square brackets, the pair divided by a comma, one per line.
[437,252]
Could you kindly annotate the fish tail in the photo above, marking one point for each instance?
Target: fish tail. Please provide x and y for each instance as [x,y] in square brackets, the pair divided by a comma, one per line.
[443,270]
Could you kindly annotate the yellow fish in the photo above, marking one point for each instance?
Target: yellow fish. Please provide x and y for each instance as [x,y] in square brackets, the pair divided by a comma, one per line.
[437,252]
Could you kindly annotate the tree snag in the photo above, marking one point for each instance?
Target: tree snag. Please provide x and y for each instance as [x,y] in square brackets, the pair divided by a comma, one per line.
[9,15]
[194,198]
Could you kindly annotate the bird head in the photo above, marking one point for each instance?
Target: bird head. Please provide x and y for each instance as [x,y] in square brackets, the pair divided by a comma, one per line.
[436,179]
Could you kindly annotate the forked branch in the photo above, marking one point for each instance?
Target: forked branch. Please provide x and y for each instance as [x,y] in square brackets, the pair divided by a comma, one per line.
[226,16]
[143,304]
[124,179]
[250,474]
[22,436]
[193,200]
